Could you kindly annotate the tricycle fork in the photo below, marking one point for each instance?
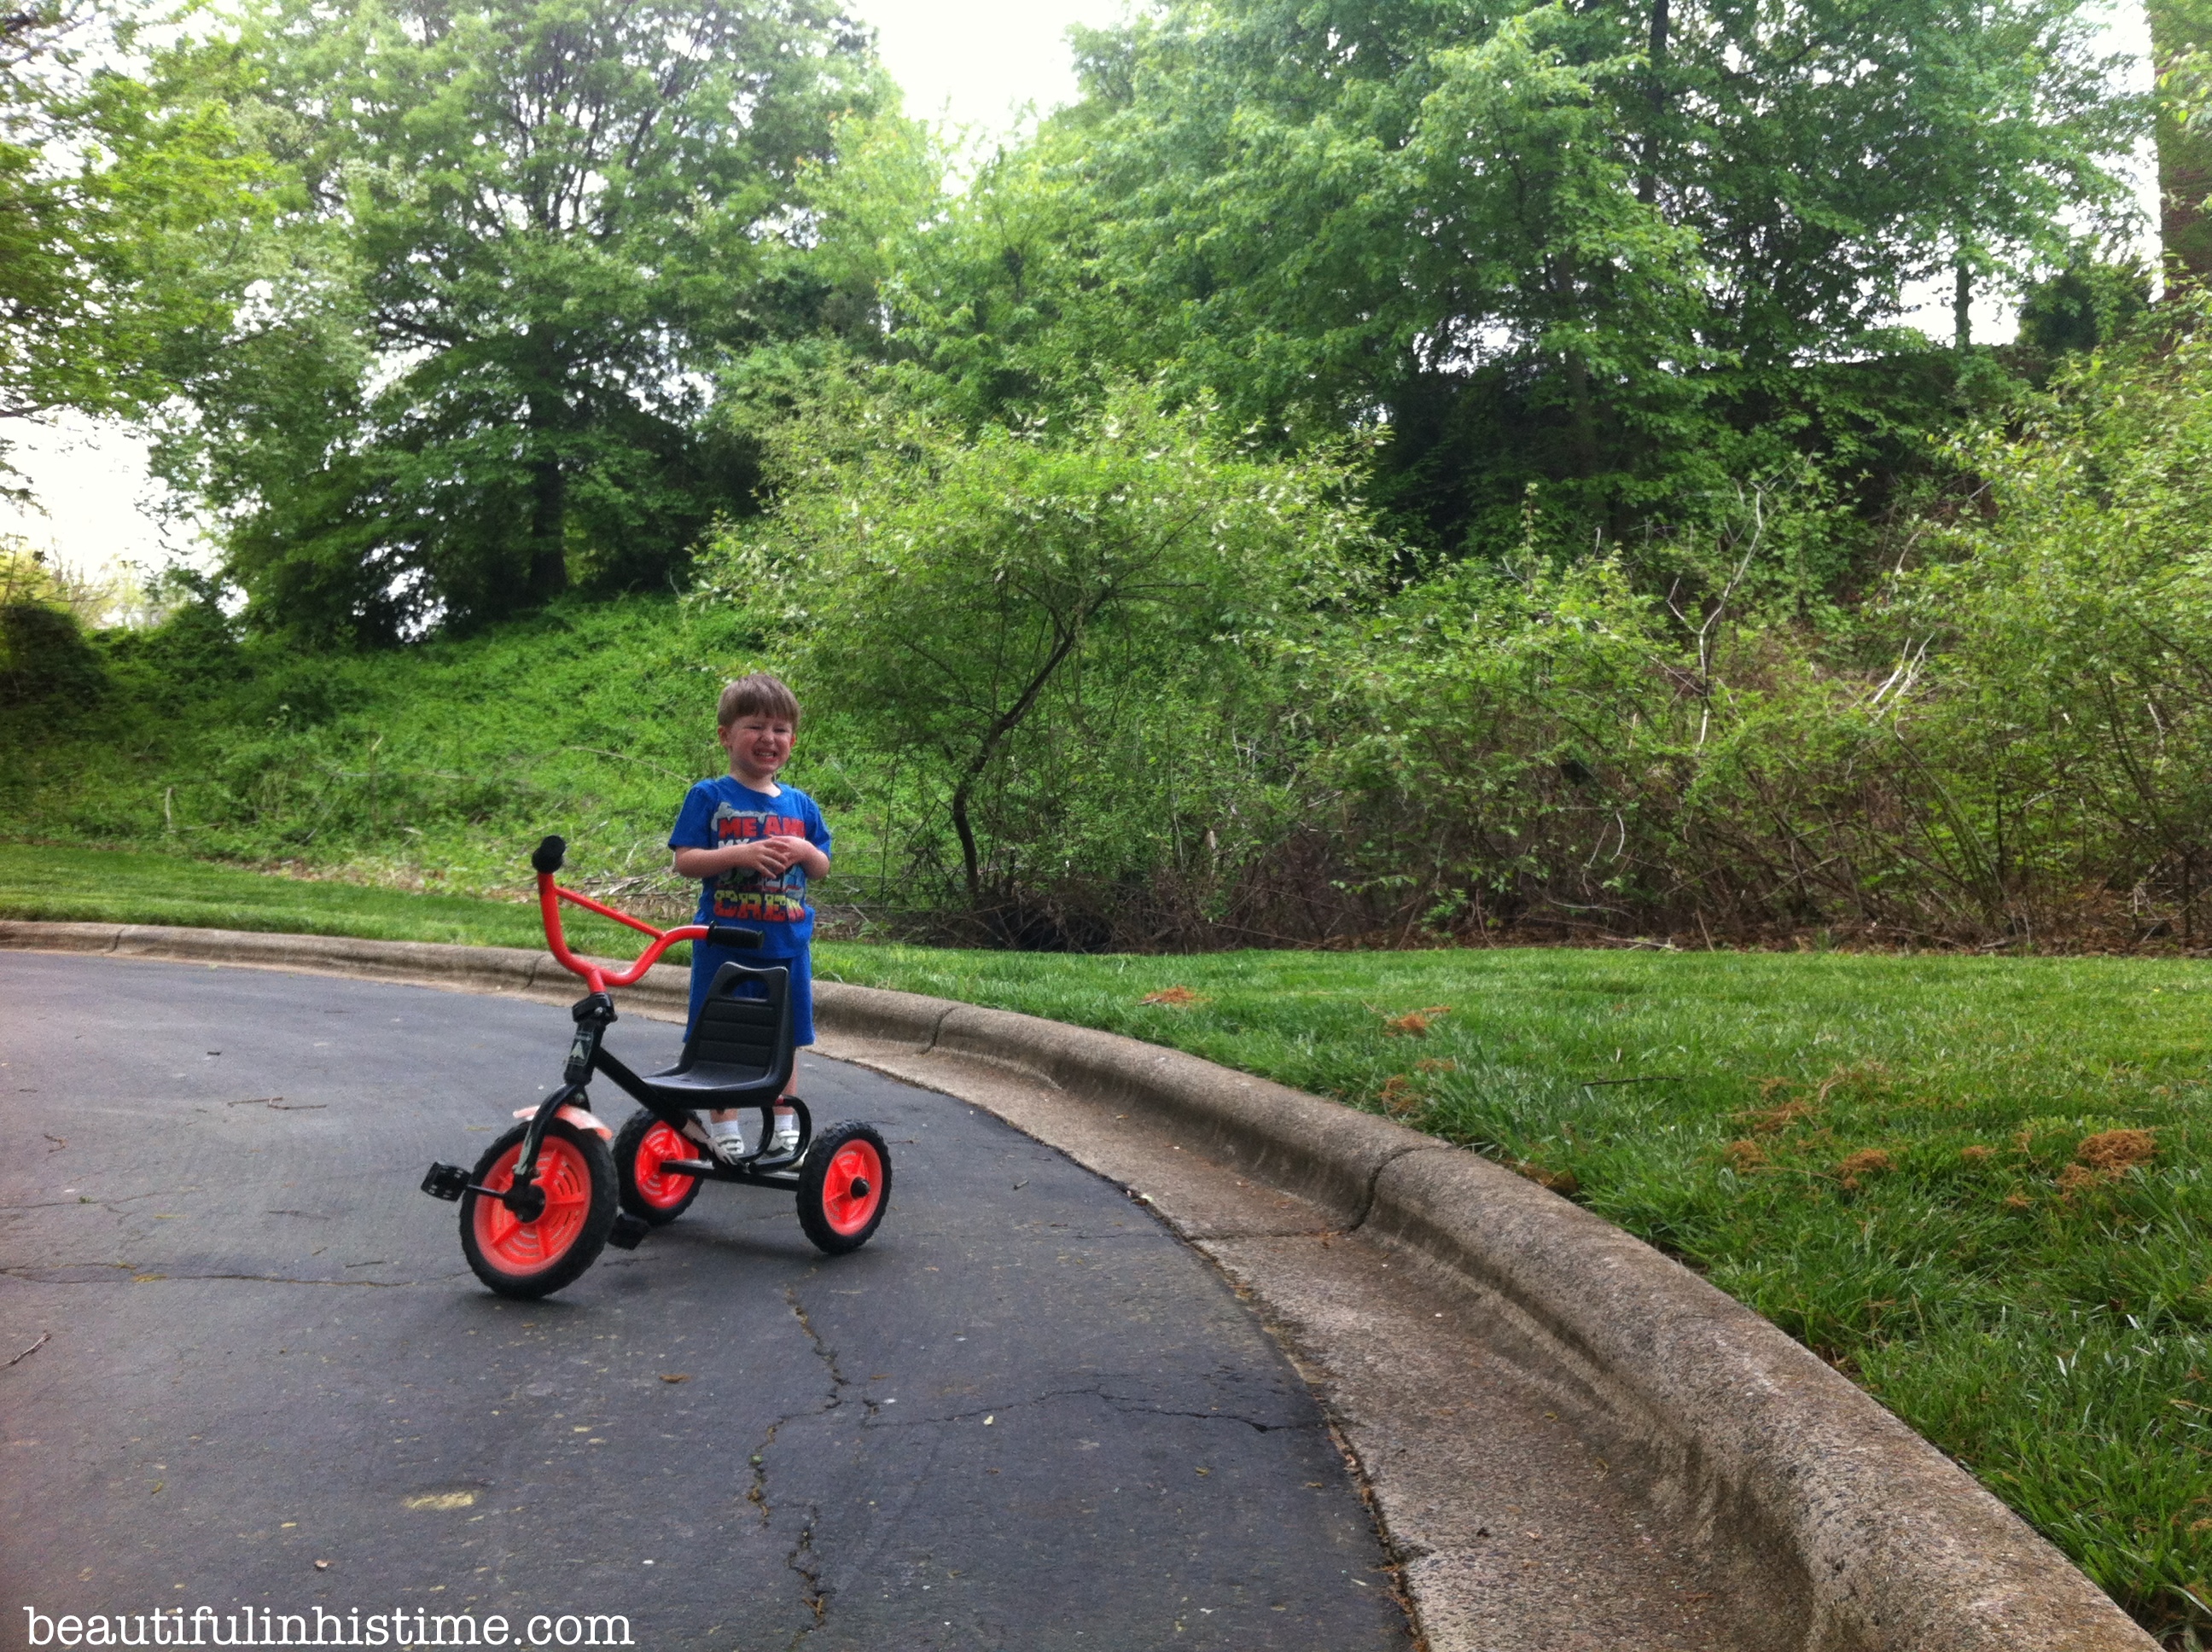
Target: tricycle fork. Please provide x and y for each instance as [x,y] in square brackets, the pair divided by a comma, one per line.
[594,1014]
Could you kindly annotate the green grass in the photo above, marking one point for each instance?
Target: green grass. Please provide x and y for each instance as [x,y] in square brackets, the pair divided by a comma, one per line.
[2049,1326]
[120,887]
[428,764]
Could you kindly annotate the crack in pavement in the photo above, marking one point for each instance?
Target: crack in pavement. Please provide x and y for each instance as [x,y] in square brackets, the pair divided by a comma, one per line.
[802,1558]
[1121,1403]
[1375,1181]
[816,1597]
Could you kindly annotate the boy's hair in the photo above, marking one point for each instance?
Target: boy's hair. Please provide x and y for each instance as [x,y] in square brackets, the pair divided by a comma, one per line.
[757,695]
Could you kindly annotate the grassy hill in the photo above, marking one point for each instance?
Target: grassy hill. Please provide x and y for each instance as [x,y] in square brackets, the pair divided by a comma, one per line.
[419,769]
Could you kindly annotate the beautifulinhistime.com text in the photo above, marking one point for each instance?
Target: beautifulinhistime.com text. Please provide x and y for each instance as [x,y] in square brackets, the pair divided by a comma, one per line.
[258,1626]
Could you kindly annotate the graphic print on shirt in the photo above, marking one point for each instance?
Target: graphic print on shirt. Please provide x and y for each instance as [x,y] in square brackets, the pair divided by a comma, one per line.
[756,897]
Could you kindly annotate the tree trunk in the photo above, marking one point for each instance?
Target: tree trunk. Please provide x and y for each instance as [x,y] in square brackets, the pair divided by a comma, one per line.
[1962,303]
[549,530]
[547,413]
[971,861]
[1647,186]
[2185,157]
[1583,409]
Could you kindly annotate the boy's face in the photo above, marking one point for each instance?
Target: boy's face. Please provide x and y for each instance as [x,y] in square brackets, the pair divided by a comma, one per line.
[758,746]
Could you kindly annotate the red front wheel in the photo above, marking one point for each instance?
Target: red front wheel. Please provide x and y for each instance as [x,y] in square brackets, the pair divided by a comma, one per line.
[642,1147]
[528,1260]
[844,1187]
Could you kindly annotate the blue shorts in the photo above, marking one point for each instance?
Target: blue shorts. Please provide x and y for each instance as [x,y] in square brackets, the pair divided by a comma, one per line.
[707,961]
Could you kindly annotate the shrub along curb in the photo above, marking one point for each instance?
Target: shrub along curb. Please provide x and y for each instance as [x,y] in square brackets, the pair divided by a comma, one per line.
[1874,1540]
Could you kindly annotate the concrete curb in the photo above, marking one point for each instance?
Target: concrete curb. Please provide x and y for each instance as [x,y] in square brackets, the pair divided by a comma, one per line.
[1879,1541]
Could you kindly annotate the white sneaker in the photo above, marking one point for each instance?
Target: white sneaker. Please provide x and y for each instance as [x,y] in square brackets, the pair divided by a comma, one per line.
[785,1137]
[727,1137]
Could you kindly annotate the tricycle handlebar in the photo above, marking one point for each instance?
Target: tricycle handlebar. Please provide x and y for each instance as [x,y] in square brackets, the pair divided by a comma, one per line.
[546,860]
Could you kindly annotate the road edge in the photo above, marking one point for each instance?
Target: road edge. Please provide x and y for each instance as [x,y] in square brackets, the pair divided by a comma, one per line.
[1887,1544]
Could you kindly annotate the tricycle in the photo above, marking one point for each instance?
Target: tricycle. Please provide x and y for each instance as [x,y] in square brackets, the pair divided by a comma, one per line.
[550,1194]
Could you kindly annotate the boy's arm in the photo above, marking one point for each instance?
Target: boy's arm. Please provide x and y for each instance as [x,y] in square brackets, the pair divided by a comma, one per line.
[769,854]
[761,854]
[812,853]
[806,856]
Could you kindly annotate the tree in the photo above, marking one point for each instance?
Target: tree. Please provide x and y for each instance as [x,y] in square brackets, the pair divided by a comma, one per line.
[119,168]
[2181,51]
[1619,253]
[523,232]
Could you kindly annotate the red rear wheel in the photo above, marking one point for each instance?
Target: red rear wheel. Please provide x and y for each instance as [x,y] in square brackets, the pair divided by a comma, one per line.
[844,1187]
[642,1147]
[536,1258]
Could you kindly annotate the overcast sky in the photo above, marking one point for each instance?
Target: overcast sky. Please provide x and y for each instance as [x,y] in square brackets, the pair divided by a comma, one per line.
[976,63]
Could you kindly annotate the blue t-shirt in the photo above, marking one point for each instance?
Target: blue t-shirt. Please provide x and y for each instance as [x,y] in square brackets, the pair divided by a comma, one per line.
[721,811]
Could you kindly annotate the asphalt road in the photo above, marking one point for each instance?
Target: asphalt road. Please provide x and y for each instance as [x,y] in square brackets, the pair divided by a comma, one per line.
[1024,1417]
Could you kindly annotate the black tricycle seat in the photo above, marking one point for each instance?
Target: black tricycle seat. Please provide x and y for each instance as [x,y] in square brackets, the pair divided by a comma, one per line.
[740,1054]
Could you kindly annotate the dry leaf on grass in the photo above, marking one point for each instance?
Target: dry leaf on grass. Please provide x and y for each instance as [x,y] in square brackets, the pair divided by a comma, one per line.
[1414,1024]
[2075,1177]
[1176,997]
[1864,1163]
[1401,1093]
[1430,1064]
[1766,1120]
[2115,1150]
[1745,1155]
[1977,1155]
[1559,1182]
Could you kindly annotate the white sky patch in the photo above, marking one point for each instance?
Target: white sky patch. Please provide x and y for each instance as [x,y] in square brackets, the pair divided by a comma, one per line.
[978,64]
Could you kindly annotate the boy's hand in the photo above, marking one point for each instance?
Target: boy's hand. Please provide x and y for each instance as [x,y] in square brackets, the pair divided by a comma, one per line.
[770,856]
[766,854]
[775,854]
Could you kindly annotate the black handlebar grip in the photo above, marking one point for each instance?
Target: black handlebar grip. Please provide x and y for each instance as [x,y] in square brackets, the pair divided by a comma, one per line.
[731,936]
[548,855]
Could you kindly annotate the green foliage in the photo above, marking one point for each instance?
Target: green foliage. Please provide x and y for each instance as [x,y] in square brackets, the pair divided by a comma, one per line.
[518,234]
[1066,645]
[1598,250]
[44,658]
[436,766]
[48,666]
[121,167]
[2088,304]
[2075,622]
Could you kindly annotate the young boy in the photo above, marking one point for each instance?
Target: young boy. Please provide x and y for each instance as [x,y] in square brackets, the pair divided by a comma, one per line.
[755,844]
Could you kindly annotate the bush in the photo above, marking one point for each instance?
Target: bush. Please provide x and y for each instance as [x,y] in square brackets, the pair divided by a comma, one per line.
[1059,657]
[45,659]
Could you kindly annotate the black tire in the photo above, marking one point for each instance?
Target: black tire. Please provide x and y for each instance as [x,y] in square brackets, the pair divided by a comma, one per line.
[836,1217]
[653,1198]
[529,1260]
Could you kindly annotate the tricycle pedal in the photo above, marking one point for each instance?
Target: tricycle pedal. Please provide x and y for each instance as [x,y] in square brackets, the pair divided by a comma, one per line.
[627,1231]
[447,1181]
